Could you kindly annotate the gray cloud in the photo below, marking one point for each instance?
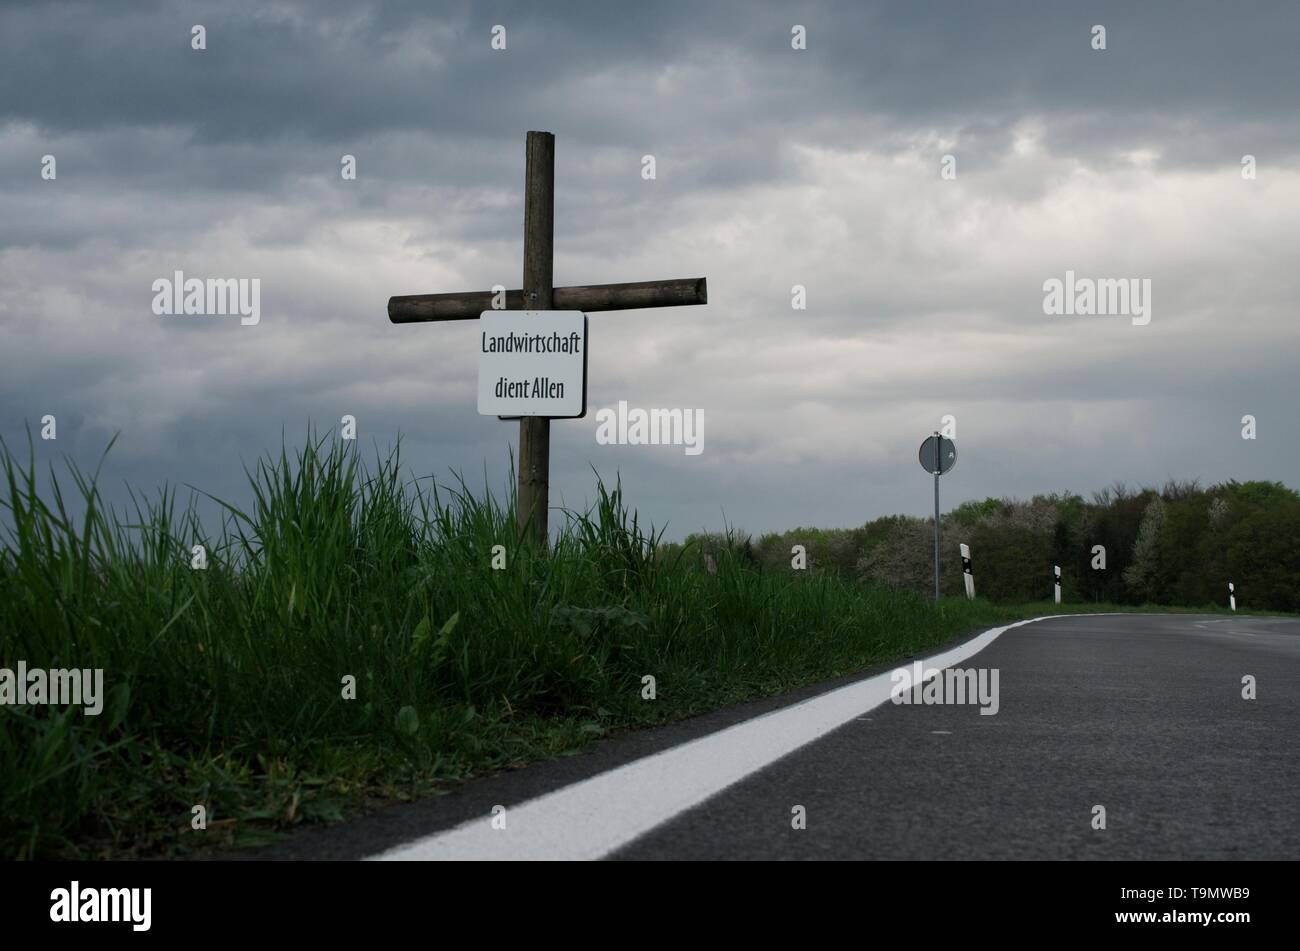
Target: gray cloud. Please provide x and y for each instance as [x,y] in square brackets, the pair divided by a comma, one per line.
[775,168]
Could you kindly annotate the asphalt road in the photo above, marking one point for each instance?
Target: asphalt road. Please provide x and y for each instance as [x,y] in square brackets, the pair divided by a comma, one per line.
[1140,714]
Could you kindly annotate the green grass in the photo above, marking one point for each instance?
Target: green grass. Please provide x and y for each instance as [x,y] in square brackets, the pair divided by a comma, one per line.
[224,685]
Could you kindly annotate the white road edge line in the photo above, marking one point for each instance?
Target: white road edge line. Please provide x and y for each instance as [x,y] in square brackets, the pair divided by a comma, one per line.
[591,818]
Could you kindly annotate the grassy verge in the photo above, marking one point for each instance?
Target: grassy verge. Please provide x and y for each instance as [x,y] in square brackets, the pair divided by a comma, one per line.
[225,685]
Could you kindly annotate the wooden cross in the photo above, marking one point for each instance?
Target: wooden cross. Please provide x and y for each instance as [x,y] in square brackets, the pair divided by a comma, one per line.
[533,497]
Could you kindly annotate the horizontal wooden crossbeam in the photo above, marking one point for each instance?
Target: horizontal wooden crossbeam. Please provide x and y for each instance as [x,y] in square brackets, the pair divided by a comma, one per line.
[468,305]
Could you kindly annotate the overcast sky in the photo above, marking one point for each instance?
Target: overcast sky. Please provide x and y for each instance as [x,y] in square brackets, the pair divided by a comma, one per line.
[774,167]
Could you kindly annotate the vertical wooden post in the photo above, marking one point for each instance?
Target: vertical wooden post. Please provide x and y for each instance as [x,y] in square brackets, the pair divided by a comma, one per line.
[533,496]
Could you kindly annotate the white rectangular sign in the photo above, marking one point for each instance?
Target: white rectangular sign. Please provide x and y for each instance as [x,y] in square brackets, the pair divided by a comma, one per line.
[532,363]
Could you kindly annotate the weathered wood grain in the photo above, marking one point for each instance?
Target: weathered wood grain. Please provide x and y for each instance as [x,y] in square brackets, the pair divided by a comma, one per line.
[590,298]
[534,489]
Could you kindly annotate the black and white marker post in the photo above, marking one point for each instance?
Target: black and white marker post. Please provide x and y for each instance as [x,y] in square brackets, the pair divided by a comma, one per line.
[1057,570]
[967,574]
[938,455]
[1232,596]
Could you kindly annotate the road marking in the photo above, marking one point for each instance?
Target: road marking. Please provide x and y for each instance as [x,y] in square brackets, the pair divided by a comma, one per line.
[591,818]
[1219,630]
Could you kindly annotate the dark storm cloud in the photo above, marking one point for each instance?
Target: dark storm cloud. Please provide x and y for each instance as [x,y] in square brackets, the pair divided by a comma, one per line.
[776,167]
[334,72]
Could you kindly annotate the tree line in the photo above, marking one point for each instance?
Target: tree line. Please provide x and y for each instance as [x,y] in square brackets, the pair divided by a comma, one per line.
[1177,545]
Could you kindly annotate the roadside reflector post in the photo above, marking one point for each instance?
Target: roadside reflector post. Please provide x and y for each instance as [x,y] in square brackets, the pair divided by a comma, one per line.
[1057,570]
[967,573]
[1232,596]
